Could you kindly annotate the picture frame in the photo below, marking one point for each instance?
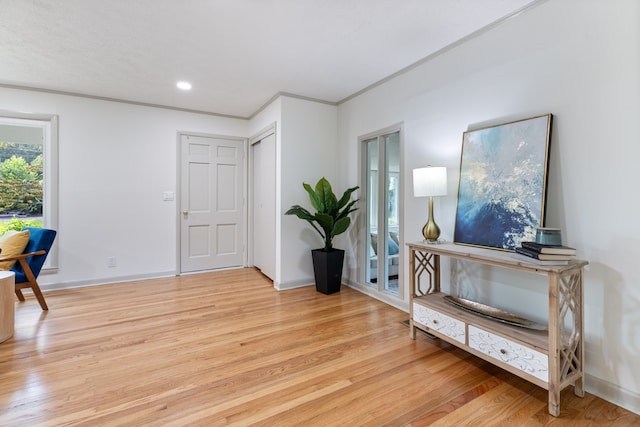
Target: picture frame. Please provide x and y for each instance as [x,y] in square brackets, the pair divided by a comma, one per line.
[503,183]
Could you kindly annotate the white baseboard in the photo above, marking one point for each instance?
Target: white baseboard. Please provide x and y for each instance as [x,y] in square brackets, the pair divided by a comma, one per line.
[392,301]
[283,286]
[104,281]
[612,393]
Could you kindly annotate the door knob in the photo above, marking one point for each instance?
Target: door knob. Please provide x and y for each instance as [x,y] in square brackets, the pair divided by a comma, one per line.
[185,212]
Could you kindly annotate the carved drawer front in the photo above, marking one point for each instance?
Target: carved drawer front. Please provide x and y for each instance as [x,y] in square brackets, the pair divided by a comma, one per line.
[523,358]
[442,323]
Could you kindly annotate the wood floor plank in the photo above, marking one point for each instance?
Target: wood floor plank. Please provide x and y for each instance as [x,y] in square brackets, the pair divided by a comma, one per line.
[225,348]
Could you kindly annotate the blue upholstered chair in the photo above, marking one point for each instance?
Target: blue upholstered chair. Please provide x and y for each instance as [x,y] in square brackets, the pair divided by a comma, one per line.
[31,261]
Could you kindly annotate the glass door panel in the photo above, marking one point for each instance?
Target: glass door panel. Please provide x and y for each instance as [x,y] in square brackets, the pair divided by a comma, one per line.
[392,219]
[371,269]
[382,165]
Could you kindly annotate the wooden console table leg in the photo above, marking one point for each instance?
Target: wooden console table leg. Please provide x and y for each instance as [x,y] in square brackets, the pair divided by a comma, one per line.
[554,347]
[412,291]
[578,388]
[554,403]
[566,340]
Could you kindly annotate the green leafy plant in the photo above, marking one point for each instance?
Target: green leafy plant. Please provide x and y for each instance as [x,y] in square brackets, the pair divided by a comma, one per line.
[20,197]
[332,215]
[18,224]
[17,168]
[20,180]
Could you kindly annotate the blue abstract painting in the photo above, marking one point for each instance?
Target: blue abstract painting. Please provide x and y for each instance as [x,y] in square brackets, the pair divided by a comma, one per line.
[503,178]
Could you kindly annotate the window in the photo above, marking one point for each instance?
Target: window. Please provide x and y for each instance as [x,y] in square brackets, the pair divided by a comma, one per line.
[28,172]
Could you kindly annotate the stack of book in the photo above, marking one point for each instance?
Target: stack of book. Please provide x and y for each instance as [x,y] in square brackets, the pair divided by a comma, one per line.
[537,253]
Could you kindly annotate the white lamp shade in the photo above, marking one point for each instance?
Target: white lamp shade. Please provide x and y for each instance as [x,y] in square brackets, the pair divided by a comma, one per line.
[430,181]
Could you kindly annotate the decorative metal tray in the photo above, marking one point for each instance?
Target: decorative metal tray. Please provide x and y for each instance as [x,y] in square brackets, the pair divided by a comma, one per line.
[493,313]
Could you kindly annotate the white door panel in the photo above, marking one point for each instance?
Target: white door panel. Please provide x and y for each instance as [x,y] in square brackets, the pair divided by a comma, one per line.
[212,218]
[264,205]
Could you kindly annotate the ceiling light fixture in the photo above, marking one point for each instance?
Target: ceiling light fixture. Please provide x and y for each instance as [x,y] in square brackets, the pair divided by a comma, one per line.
[184,85]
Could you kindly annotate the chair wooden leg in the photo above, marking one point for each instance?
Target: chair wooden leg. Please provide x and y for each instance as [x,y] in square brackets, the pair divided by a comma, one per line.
[31,283]
[38,293]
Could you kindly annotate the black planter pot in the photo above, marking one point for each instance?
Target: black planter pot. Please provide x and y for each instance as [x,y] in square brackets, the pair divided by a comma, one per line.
[327,268]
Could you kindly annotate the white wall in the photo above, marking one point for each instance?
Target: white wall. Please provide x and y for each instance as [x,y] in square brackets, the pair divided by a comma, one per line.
[306,150]
[271,115]
[579,60]
[115,161]
[309,135]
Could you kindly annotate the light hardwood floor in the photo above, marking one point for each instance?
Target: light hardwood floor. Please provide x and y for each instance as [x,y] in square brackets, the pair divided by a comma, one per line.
[225,348]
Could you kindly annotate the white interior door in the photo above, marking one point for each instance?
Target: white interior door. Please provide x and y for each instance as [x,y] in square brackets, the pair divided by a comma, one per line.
[212,213]
[264,205]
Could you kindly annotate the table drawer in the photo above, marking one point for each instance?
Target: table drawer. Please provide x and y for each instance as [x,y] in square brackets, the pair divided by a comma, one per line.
[520,357]
[437,321]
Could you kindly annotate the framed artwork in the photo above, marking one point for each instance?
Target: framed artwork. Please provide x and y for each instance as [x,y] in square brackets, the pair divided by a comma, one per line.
[503,183]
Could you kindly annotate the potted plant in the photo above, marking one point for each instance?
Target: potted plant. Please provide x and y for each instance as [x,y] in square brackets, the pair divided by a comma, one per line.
[330,219]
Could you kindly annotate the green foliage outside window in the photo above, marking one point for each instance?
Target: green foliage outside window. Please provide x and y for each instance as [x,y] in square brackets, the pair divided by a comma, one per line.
[18,224]
[17,168]
[21,179]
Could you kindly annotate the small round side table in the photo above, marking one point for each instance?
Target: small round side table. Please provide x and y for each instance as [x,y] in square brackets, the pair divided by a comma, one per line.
[7,304]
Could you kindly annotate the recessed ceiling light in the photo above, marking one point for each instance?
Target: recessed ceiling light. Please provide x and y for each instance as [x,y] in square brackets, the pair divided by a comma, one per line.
[184,85]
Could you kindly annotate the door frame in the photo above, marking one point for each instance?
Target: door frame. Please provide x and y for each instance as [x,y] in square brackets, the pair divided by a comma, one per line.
[178,194]
[398,301]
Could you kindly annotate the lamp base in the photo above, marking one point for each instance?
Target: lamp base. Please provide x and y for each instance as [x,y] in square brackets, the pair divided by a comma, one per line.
[434,242]
[431,231]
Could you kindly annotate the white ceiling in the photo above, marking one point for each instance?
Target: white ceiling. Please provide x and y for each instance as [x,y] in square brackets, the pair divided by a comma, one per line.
[238,54]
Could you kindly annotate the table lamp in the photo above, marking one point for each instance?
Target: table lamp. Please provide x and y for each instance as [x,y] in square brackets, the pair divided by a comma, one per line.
[430,181]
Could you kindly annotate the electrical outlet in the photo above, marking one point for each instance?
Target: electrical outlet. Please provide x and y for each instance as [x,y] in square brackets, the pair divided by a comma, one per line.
[111,262]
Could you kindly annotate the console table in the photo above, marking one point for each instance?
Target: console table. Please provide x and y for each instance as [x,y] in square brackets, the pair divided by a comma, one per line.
[551,358]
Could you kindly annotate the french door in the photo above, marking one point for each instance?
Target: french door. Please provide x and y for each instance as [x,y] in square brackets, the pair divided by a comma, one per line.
[382,266]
